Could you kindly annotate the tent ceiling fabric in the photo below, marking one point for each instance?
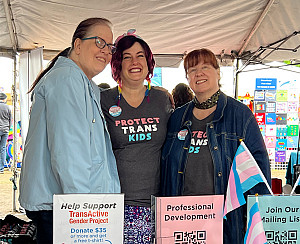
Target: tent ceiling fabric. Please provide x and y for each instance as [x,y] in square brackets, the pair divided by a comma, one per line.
[169,26]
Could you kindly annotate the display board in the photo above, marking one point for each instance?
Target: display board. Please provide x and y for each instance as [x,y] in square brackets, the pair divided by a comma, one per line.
[276,108]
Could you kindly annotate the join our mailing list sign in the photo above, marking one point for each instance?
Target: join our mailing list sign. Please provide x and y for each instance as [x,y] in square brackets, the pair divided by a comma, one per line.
[88,218]
[280,216]
[189,219]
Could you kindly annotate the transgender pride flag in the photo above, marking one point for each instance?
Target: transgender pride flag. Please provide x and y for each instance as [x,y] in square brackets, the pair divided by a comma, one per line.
[244,174]
[255,231]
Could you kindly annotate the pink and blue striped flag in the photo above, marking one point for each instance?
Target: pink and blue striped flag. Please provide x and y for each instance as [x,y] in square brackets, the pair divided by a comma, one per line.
[245,174]
[255,231]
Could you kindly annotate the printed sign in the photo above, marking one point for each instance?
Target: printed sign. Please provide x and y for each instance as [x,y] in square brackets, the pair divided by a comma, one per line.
[281,144]
[281,131]
[270,118]
[189,219]
[281,95]
[271,152]
[262,129]
[260,118]
[259,95]
[292,141]
[280,156]
[270,95]
[270,130]
[281,107]
[260,107]
[156,78]
[292,107]
[280,216]
[270,141]
[292,119]
[266,84]
[292,130]
[281,119]
[88,218]
[271,107]
[293,95]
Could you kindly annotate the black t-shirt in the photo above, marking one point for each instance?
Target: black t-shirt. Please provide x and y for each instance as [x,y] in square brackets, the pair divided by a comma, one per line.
[137,136]
[199,172]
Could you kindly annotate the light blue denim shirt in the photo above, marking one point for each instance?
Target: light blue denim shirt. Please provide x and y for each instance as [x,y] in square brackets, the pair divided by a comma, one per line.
[68,148]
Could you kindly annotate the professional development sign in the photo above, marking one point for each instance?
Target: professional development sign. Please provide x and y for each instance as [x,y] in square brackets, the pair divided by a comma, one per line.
[189,219]
[88,218]
[280,216]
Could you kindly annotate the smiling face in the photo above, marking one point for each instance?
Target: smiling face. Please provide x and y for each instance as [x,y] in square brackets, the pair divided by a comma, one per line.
[91,59]
[134,65]
[203,80]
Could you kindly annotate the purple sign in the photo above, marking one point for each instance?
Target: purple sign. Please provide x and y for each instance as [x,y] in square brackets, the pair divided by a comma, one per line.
[280,156]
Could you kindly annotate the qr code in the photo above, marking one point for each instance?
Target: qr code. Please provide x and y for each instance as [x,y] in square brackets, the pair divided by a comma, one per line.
[282,237]
[193,237]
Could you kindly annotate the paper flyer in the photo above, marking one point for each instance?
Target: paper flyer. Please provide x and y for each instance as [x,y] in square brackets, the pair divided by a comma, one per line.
[271,107]
[270,141]
[189,219]
[281,107]
[270,130]
[292,141]
[281,119]
[280,216]
[271,152]
[292,119]
[292,130]
[280,156]
[293,95]
[292,107]
[260,118]
[259,107]
[281,95]
[262,129]
[259,95]
[281,144]
[281,131]
[88,218]
[270,118]
[271,95]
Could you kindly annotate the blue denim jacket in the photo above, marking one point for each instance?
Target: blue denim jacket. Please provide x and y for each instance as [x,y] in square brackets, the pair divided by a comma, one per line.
[232,121]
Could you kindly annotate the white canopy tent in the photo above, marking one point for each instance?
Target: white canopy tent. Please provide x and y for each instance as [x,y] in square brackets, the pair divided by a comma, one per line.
[230,28]
[255,31]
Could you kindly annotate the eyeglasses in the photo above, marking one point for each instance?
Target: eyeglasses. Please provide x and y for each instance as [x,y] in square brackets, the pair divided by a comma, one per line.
[102,43]
[197,68]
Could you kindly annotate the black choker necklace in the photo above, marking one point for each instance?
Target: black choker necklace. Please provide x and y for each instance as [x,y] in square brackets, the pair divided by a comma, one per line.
[209,103]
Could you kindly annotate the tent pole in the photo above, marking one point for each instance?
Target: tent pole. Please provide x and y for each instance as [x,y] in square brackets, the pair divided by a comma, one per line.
[15,138]
[255,27]
[10,24]
[236,79]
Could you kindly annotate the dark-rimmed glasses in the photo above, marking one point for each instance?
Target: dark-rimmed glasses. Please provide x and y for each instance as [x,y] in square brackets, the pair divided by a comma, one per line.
[102,43]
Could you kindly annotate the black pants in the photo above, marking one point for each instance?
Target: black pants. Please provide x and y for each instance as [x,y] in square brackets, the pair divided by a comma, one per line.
[44,223]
